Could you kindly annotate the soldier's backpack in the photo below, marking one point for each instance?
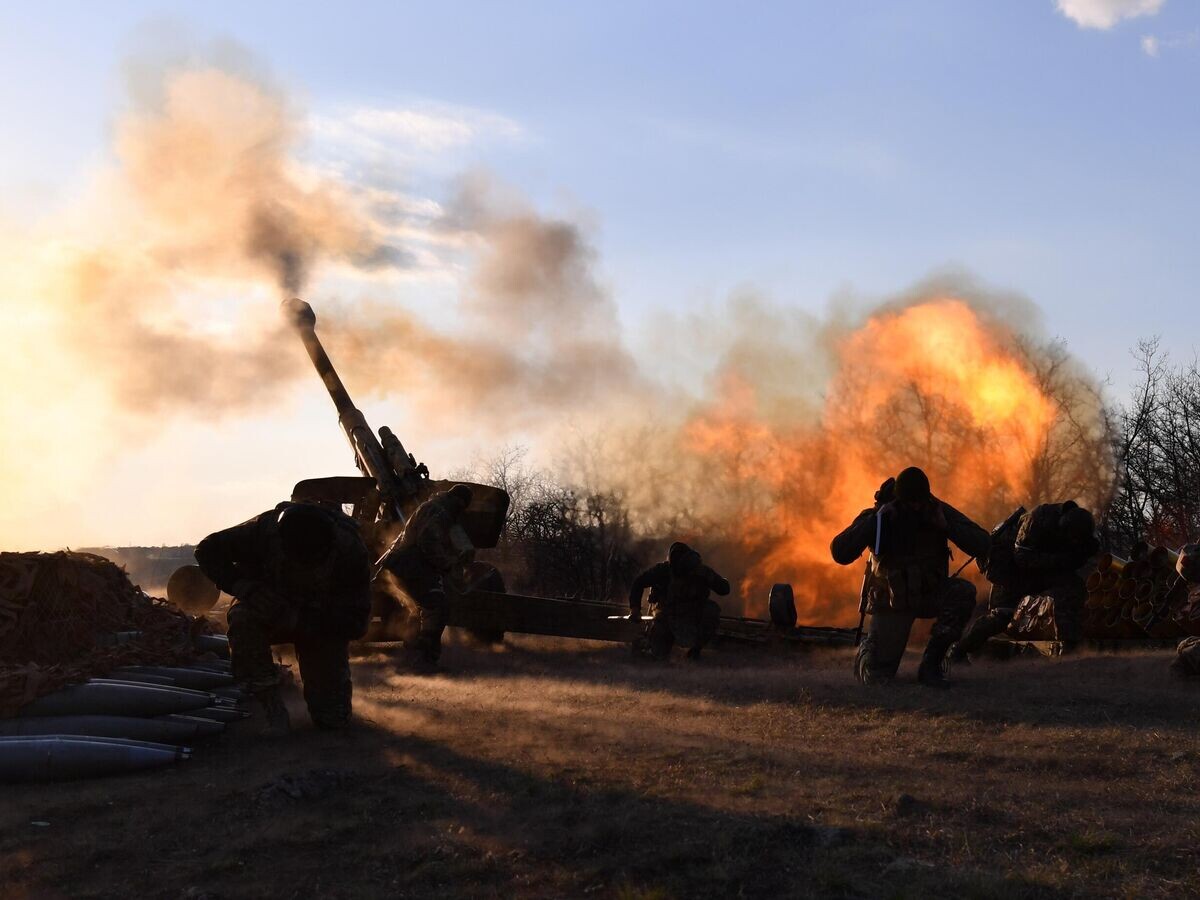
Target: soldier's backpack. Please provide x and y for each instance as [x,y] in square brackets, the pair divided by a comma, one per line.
[1001,564]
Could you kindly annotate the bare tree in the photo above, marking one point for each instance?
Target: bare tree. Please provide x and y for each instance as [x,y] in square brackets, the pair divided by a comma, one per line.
[1157,445]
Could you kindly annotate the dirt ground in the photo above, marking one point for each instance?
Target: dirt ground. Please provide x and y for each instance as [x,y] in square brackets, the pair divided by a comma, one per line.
[559,769]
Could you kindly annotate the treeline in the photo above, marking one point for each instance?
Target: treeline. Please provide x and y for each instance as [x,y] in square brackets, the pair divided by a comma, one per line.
[1136,463]
[559,541]
[1156,442]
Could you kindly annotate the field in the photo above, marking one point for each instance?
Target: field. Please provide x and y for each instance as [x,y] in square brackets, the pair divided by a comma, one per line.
[552,769]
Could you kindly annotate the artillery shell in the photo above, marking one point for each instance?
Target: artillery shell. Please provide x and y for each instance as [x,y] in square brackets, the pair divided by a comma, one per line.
[112,698]
[160,730]
[186,678]
[60,757]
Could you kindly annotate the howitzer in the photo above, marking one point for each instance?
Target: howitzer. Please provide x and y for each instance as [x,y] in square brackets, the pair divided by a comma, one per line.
[397,475]
[392,486]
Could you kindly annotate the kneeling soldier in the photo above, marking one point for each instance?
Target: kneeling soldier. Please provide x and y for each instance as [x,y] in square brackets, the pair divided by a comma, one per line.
[909,532]
[684,613]
[1053,542]
[299,574]
[421,559]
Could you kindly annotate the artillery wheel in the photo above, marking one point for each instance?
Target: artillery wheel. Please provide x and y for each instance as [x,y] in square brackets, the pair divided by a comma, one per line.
[189,589]
[782,607]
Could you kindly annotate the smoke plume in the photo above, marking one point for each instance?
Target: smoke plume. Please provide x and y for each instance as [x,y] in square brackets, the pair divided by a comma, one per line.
[538,337]
[803,421]
[157,299]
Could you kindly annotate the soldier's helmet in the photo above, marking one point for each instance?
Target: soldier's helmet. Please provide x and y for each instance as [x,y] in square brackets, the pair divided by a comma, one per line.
[1077,524]
[461,494]
[682,558]
[912,486]
[305,533]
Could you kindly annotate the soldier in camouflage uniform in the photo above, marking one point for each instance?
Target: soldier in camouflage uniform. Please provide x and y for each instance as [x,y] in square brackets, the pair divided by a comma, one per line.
[1053,543]
[420,560]
[1186,663]
[908,533]
[299,574]
[683,611]
[1187,654]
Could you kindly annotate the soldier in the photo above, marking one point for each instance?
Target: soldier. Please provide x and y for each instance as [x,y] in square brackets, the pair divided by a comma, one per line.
[299,574]
[419,560]
[1053,542]
[1186,663]
[908,532]
[1187,654]
[684,613]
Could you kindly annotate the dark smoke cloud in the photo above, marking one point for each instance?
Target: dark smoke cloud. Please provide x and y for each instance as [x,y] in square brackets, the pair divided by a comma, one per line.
[539,336]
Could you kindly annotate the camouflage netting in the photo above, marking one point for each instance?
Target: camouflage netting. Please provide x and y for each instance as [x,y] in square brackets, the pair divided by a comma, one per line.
[59,615]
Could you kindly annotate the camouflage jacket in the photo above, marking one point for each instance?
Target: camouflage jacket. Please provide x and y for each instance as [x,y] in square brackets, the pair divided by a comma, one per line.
[1041,547]
[860,535]
[332,596]
[910,554]
[426,544]
[656,578]
[668,590]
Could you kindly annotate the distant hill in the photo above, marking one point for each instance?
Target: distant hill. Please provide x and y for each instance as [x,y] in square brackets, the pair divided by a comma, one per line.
[148,567]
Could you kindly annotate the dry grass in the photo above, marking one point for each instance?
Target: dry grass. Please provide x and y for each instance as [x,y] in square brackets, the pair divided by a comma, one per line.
[551,769]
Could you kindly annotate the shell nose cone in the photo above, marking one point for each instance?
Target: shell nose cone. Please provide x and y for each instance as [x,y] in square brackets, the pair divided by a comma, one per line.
[299,313]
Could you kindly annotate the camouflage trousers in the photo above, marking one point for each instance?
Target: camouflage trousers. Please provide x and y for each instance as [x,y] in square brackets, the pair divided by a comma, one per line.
[254,627]
[428,612]
[692,626]
[879,654]
[1067,593]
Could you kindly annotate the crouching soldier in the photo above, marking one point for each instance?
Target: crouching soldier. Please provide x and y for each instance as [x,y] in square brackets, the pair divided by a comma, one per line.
[684,612]
[420,560]
[299,574]
[1052,544]
[909,532]
[1187,655]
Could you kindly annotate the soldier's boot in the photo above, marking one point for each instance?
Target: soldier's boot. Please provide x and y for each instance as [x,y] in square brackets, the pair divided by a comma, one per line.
[1187,659]
[418,658]
[987,626]
[865,669]
[655,643]
[935,664]
[958,655]
[932,674]
[278,723]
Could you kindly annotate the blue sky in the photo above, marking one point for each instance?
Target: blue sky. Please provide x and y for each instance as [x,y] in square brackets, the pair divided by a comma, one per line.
[799,149]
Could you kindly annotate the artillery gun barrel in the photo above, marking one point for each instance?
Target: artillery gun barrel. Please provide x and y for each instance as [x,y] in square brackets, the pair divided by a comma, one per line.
[304,320]
[368,452]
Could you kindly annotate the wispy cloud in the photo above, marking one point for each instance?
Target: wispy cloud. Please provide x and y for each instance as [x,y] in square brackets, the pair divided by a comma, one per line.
[1153,45]
[423,130]
[1104,14]
[393,160]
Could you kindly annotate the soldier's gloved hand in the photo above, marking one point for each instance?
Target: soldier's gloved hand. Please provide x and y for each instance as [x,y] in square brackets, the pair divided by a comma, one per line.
[886,493]
[266,601]
[245,589]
